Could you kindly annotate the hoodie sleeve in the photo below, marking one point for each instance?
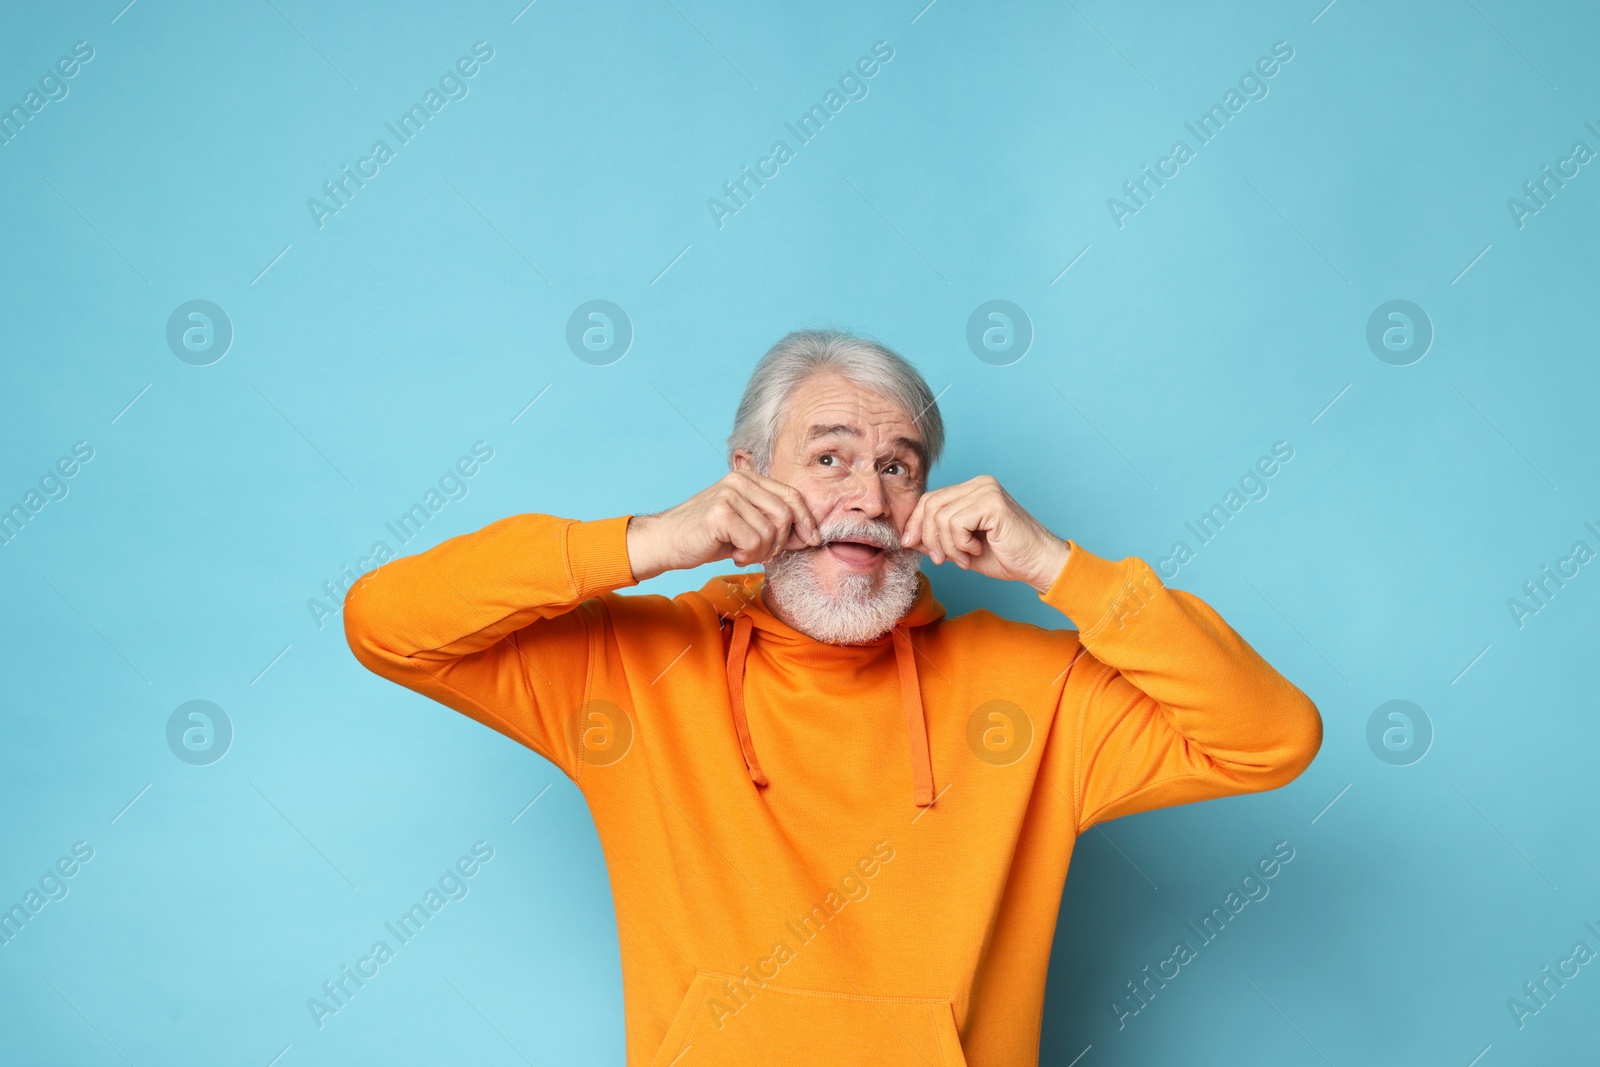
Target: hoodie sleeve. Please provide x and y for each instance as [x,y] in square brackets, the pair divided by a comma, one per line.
[1168,703]
[485,623]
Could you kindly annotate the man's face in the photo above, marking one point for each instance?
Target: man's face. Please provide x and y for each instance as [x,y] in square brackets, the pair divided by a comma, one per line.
[857,459]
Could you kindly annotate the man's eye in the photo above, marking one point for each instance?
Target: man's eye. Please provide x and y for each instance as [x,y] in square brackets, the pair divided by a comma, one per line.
[825,457]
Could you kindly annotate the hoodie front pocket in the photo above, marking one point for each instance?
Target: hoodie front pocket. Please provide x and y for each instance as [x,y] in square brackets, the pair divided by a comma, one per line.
[724,1020]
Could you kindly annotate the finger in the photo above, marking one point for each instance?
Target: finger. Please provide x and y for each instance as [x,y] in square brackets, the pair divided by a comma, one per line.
[748,530]
[970,522]
[778,512]
[910,535]
[965,523]
[951,537]
[930,534]
[784,502]
[774,529]
[787,507]
[737,534]
[945,537]
[915,535]
[934,503]
[785,534]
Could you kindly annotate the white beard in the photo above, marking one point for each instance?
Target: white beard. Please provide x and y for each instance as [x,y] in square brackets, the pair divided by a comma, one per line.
[854,612]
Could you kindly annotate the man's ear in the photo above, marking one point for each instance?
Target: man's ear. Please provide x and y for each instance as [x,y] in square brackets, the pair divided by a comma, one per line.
[743,460]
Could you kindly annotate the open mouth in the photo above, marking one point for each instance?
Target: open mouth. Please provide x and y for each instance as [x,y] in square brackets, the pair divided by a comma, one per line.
[854,553]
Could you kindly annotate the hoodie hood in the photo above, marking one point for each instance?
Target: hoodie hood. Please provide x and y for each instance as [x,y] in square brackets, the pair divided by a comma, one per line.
[737,599]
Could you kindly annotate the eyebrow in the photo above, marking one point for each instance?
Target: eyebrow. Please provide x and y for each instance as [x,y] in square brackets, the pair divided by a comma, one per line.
[842,429]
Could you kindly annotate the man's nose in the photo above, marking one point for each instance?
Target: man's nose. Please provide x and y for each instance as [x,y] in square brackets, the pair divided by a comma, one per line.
[865,496]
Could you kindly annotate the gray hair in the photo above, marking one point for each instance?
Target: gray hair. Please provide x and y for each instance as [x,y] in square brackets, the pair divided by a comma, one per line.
[799,355]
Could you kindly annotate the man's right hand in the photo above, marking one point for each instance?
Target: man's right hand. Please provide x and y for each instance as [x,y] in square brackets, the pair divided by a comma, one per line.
[745,515]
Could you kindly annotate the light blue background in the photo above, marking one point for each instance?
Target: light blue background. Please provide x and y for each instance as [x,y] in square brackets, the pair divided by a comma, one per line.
[1225,316]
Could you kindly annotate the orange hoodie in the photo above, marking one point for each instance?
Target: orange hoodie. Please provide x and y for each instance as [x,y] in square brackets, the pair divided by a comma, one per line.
[825,854]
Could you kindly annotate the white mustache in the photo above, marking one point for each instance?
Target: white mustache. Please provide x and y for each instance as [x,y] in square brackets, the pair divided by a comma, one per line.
[879,534]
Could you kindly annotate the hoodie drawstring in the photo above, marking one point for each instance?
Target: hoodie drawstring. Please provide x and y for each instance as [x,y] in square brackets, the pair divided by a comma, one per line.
[905,658]
[741,723]
[910,695]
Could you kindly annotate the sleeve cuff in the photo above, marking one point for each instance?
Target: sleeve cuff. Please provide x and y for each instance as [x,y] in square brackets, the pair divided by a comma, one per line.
[1086,588]
[597,556]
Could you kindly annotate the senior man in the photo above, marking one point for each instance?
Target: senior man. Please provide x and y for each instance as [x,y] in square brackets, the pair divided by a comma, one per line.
[837,823]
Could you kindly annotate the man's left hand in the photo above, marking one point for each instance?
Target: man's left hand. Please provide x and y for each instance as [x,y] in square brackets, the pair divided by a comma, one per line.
[978,526]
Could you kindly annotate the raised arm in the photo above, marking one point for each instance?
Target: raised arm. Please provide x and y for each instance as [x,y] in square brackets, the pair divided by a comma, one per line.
[1168,704]
[485,623]
[492,623]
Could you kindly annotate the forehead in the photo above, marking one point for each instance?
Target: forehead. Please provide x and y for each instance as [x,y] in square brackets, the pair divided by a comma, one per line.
[828,403]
